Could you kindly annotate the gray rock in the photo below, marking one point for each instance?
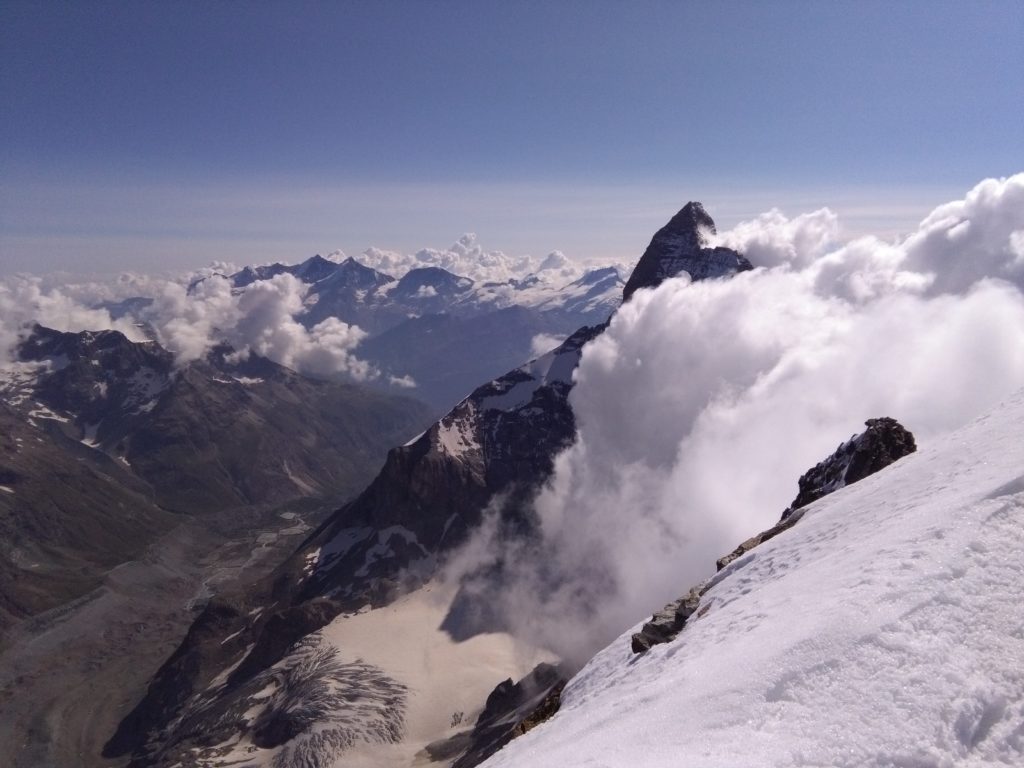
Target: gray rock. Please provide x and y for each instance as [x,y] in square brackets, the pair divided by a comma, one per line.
[884,441]
[666,624]
[682,246]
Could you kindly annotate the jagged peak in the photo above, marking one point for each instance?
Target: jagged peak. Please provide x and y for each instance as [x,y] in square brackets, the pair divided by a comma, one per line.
[684,245]
[693,220]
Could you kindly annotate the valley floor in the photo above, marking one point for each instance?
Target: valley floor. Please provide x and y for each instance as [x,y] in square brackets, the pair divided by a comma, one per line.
[67,677]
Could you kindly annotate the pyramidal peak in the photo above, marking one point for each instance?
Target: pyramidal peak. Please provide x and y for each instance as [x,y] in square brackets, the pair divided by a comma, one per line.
[683,245]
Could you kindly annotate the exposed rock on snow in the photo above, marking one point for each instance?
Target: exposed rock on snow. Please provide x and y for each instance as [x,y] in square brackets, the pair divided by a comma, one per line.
[512,709]
[884,441]
[667,623]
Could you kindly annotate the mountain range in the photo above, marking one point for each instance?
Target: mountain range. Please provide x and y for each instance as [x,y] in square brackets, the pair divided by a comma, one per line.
[109,443]
[490,453]
[439,331]
[370,642]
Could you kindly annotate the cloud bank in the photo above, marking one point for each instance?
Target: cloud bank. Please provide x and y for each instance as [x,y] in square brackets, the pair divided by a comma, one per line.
[259,319]
[25,301]
[702,403]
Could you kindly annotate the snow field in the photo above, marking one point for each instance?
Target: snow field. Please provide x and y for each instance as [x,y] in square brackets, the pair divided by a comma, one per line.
[885,629]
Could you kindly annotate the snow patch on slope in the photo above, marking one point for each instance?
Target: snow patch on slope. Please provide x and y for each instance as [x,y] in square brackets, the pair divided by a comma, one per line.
[885,629]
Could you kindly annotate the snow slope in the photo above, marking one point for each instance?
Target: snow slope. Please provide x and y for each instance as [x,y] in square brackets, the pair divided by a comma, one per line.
[885,629]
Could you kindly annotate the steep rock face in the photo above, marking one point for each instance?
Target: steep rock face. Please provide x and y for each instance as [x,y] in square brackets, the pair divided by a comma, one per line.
[883,442]
[511,710]
[499,440]
[682,246]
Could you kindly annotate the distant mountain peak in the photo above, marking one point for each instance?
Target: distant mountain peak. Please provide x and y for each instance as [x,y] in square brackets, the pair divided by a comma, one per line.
[598,275]
[682,245]
[429,282]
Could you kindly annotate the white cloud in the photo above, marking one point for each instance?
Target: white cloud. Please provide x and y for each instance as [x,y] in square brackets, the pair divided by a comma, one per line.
[702,404]
[772,239]
[406,382]
[261,319]
[544,342]
[24,301]
[189,321]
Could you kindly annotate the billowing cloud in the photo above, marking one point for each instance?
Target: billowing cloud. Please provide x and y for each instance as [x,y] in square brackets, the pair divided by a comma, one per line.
[702,403]
[261,319]
[544,342]
[25,301]
[189,316]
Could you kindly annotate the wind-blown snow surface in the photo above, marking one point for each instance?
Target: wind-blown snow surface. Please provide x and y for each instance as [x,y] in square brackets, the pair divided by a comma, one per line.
[885,629]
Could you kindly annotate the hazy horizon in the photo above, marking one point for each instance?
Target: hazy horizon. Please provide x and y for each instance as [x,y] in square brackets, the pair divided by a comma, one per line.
[138,137]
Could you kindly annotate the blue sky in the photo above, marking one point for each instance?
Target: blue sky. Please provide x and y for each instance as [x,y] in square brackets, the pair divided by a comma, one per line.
[134,134]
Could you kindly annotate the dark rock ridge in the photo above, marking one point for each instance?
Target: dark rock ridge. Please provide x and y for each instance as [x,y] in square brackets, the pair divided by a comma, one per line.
[682,246]
[512,709]
[495,447]
[667,623]
[883,442]
[501,439]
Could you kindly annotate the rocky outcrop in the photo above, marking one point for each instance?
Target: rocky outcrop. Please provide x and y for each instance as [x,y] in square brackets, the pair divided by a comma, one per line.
[501,440]
[669,621]
[512,709]
[883,442]
[785,524]
[682,245]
